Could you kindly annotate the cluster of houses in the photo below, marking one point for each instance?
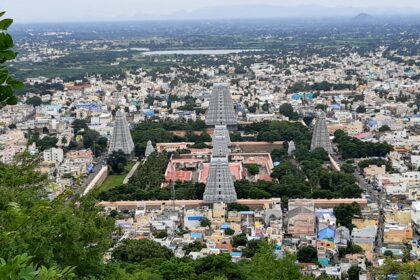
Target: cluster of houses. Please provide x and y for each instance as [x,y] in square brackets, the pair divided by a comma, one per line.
[306,223]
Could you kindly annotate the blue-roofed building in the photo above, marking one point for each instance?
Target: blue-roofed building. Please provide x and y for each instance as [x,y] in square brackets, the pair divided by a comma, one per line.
[247,212]
[196,235]
[326,234]
[236,256]
[195,218]
[335,107]
[90,106]
[324,262]
[371,75]
[303,95]
[135,102]
[90,168]
[192,222]
[372,123]
[225,226]
[325,218]
[68,120]
[149,114]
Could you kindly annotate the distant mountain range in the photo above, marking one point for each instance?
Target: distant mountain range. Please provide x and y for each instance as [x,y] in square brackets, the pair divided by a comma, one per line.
[363,17]
[255,11]
[274,11]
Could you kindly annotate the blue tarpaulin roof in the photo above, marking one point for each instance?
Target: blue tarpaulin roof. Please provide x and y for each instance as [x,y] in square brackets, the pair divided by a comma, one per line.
[196,235]
[324,262]
[225,226]
[195,218]
[247,212]
[326,233]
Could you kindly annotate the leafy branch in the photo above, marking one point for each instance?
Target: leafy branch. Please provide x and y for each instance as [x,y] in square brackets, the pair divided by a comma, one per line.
[7,83]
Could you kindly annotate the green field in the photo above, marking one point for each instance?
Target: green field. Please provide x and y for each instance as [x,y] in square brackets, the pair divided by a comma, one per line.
[111,182]
[114,180]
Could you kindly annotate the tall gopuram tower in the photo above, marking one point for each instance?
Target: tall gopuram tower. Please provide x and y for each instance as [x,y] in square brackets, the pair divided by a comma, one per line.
[221,111]
[220,186]
[121,137]
[320,136]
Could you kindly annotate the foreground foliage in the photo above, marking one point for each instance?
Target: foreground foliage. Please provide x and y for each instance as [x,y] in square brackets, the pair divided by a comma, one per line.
[20,267]
[59,233]
[7,83]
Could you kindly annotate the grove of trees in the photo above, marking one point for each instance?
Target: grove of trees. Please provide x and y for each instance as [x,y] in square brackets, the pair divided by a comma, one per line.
[350,147]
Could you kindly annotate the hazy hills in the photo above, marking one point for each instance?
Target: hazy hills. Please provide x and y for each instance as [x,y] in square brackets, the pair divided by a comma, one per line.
[274,11]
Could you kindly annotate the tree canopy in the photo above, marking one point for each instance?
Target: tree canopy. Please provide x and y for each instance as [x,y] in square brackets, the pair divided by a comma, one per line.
[117,162]
[7,83]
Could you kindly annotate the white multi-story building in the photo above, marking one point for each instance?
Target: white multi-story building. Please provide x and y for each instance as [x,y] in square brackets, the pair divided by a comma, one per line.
[8,154]
[54,155]
[415,215]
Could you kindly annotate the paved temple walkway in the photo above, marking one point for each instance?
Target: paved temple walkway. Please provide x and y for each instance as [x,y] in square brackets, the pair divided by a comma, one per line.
[130,174]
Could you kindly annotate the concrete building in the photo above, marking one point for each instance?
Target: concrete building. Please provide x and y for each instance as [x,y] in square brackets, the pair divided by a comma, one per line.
[415,215]
[54,155]
[365,237]
[301,217]
[397,233]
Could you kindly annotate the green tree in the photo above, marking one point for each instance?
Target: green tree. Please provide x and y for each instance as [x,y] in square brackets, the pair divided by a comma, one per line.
[345,212]
[348,168]
[389,254]
[161,234]
[117,162]
[236,137]
[239,240]
[350,249]
[406,253]
[361,109]
[217,266]
[7,83]
[229,231]
[404,271]
[47,142]
[307,254]
[265,265]
[287,110]
[175,269]
[195,246]
[237,207]
[253,169]
[205,223]
[136,251]
[34,101]
[58,233]
[94,141]
[19,267]
[353,273]
[384,128]
[252,246]
[79,125]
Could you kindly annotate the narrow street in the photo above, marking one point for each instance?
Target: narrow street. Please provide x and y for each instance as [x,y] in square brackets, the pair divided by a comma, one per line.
[378,198]
[98,163]
[375,197]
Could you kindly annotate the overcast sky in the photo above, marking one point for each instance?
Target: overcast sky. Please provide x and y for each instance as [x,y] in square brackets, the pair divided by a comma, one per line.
[91,10]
